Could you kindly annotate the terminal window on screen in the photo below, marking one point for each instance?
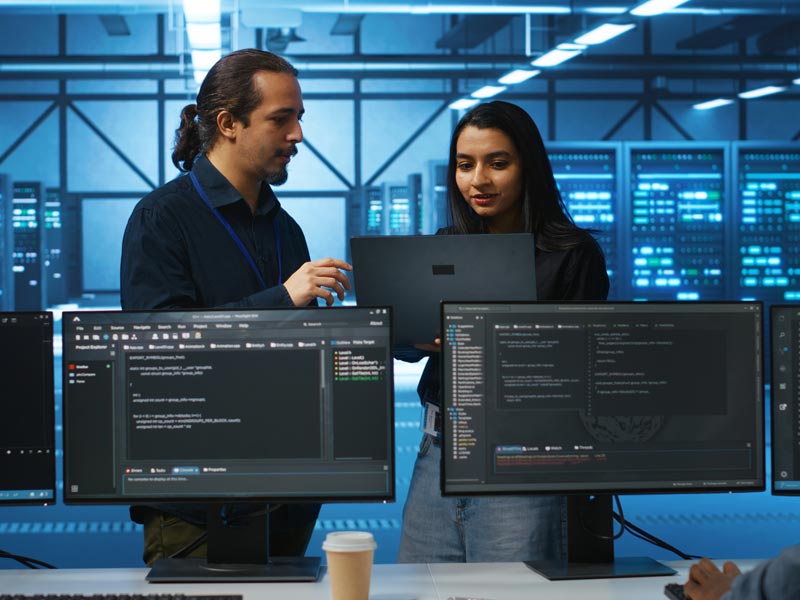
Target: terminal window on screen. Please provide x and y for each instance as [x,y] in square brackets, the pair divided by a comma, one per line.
[178,403]
[213,394]
[213,418]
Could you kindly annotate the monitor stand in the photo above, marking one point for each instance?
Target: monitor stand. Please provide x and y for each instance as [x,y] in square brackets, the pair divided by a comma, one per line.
[590,556]
[236,553]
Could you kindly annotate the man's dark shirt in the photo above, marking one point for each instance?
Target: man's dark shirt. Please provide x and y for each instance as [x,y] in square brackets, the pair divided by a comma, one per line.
[176,253]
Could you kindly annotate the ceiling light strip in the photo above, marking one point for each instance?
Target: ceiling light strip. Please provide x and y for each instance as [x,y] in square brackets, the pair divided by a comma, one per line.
[604,33]
[716,103]
[767,90]
[653,8]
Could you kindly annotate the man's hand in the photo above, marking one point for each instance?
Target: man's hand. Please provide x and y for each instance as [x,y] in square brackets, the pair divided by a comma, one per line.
[436,346]
[318,279]
[707,582]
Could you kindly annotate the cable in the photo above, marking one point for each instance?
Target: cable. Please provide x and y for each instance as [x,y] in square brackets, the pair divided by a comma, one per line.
[639,533]
[645,536]
[601,536]
[634,530]
[31,563]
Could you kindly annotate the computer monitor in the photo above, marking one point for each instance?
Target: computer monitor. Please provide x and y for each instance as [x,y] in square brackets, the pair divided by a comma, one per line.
[601,399]
[27,406]
[785,398]
[221,406]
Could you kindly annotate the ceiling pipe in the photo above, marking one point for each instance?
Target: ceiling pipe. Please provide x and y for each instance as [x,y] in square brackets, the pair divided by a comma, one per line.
[387,66]
[172,68]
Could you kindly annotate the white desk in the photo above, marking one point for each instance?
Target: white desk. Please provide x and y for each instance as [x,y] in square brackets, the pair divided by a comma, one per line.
[514,581]
[492,581]
[389,582]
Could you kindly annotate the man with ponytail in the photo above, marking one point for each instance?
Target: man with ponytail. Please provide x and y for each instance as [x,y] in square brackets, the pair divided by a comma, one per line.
[217,236]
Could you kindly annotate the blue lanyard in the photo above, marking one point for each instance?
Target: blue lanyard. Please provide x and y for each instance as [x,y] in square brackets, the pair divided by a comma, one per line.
[238,240]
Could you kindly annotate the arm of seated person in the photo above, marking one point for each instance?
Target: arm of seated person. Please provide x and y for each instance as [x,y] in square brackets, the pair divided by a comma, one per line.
[708,582]
[772,579]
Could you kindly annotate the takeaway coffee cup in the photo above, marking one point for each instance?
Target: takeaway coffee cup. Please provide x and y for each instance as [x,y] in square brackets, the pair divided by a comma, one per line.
[349,555]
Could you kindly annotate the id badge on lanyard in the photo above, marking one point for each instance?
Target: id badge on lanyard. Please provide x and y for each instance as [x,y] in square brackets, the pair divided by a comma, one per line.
[238,240]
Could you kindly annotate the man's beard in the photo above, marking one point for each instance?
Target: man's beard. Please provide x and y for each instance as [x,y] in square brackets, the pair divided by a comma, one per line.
[278,177]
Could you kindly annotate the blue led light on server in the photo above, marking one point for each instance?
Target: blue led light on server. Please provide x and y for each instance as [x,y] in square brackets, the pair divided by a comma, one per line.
[24,218]
[374,202]
[399,208]
[768,198]
[27,257]
[677,224]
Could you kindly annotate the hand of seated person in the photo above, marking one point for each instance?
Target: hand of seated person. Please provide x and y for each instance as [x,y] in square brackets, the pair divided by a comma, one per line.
[707,582]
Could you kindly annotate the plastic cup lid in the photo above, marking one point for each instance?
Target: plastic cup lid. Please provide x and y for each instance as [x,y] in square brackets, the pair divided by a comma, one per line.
[349,541]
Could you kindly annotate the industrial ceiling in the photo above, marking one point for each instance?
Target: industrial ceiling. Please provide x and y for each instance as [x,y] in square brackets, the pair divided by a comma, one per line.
[722,40]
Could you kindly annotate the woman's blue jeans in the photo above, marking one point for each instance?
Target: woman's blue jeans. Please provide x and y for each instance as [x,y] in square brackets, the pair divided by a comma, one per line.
[476,529]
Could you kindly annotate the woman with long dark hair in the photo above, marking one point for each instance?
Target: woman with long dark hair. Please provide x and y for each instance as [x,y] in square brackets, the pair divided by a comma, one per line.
[499,180]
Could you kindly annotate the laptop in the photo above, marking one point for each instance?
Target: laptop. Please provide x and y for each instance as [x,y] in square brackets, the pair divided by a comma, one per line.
[413,274]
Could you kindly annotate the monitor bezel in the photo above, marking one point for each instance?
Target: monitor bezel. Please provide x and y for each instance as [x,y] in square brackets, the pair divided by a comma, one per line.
[49,382]
[773,309]
[390,496]
[611,490]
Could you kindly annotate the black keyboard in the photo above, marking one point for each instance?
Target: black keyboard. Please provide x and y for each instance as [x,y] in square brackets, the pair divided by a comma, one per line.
[674,591]
[120,597]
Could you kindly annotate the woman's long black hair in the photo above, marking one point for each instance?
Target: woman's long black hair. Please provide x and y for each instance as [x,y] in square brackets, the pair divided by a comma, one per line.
[543,211]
